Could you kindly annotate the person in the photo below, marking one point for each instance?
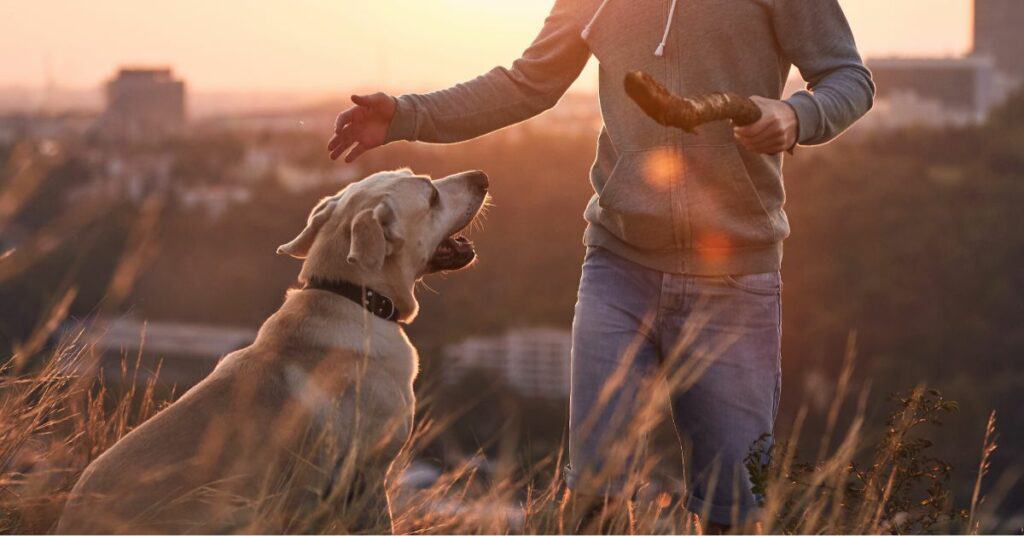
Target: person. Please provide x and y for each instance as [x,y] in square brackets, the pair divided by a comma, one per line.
[684,239]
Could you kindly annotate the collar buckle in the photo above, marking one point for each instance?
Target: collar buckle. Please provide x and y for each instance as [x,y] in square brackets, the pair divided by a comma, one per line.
[379,304]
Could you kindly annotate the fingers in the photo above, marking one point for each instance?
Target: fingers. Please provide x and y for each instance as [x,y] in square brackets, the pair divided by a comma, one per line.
[337,144]
[759,140]
[773,131]
[776,131]
[769,138]
[756,129]
[365,123]
[358,150]
[342,141]
[766,140]
[769,146]
[347,117]
[344,119]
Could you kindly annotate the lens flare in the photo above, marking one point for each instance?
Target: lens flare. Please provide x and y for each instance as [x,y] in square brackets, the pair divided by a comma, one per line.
[713,246]
[661,167]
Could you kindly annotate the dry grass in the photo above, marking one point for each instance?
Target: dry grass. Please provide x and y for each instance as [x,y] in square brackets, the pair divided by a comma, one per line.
[56,419]
[53,422]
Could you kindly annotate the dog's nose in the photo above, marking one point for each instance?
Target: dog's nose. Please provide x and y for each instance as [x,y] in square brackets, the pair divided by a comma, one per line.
[478,179]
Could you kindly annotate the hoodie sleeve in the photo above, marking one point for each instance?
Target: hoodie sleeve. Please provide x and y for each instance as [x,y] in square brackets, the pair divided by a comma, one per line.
[503,96]
[816,38]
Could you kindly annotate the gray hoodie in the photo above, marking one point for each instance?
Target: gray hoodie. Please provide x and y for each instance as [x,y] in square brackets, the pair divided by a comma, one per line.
[696,204]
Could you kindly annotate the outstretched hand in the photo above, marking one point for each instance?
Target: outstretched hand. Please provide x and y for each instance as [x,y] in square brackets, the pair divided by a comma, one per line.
[364,125]
[775,132]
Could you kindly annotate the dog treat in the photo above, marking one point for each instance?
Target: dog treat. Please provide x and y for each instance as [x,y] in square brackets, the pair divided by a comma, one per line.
[688,113]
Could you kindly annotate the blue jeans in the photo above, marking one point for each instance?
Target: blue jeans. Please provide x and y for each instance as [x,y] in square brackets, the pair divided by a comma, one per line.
[716,340]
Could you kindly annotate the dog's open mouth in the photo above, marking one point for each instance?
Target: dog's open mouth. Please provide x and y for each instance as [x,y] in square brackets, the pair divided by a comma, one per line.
[453,253]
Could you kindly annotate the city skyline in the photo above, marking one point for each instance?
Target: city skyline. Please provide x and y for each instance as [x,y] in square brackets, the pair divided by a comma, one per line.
[319,47]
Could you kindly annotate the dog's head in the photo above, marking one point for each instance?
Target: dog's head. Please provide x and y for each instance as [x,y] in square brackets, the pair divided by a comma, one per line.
[389,230]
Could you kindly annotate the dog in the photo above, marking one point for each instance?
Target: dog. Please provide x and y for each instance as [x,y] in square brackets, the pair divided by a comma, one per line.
[296,432]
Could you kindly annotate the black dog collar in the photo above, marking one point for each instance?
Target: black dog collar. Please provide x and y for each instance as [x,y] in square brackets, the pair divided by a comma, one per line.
[373,301]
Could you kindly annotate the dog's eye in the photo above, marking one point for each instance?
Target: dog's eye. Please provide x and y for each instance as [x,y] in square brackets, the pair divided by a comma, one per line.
[435,198]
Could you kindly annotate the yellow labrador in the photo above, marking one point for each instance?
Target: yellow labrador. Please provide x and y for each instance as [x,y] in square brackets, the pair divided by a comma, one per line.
[295,433]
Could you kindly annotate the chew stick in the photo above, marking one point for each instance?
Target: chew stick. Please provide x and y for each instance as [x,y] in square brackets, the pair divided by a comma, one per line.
[672,110]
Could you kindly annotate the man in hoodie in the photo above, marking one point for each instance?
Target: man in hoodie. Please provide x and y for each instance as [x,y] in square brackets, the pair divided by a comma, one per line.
[685,231]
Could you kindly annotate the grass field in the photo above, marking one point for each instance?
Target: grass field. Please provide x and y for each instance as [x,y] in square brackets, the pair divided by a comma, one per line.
[57,417]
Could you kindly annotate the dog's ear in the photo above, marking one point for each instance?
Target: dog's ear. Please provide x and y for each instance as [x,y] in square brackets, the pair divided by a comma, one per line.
[299,247]
[369,245]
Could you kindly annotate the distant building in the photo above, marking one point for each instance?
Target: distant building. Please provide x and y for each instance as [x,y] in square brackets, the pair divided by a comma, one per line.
[935,91]
[997,34]
[143,104]
[954,91]
[184,353]
[533,361]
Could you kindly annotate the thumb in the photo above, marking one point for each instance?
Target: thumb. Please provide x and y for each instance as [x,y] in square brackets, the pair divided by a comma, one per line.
[369,101]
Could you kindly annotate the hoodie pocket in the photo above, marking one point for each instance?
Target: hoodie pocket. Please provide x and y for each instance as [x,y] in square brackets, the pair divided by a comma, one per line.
[636,200]
[724,208]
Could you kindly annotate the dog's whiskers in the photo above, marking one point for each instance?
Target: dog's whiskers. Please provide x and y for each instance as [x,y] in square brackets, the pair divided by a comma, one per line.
[426,286]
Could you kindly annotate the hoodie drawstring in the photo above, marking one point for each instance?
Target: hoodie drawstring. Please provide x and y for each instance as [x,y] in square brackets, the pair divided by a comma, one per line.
[586,29]
[660,51]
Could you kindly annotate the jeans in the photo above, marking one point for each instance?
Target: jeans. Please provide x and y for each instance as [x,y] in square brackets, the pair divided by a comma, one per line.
[712,344]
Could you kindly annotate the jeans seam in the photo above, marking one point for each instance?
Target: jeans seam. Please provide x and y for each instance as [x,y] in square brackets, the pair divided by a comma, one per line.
[732,282]
[656,323]
[778,358]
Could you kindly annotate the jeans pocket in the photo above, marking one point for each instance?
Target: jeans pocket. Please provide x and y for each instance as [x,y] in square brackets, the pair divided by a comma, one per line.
[766,284]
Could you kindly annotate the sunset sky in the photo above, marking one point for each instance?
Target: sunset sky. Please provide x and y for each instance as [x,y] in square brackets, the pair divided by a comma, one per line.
[324,45]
